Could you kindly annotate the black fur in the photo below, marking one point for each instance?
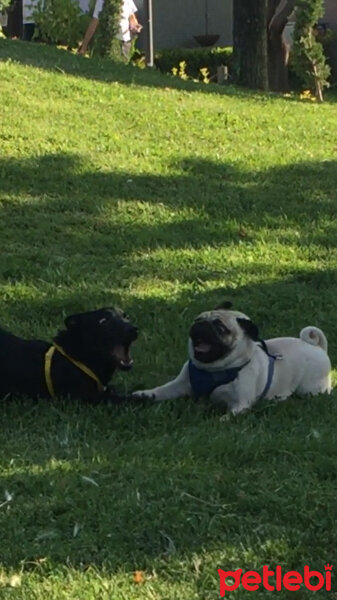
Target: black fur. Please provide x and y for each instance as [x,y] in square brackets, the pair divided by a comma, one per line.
[92,338]
[249,328]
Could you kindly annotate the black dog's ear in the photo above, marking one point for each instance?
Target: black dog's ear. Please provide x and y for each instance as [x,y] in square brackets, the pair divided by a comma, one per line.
[72,321]
[249,328]
[225,305]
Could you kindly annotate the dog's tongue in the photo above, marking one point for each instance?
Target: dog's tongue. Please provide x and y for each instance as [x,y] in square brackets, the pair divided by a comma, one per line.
[202,347]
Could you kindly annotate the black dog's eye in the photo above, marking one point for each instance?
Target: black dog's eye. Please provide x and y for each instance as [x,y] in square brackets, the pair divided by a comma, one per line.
[103,320]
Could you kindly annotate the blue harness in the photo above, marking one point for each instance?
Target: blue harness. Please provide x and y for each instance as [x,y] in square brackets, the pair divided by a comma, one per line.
[203,383]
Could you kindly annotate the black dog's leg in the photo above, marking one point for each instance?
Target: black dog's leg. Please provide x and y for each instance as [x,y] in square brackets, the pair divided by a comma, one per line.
[111,395]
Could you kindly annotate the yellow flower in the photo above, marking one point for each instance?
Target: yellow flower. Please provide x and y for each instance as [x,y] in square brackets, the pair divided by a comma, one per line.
[205,75]
[306,95]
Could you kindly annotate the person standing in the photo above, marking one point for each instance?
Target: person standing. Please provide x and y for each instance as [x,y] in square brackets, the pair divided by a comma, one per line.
[128,27]
[28,24]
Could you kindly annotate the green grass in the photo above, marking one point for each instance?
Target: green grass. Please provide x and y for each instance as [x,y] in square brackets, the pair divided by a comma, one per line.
[122,186]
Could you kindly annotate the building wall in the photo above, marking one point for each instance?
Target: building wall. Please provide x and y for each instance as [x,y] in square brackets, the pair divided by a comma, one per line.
[330,18]
[331,12]
[175,23]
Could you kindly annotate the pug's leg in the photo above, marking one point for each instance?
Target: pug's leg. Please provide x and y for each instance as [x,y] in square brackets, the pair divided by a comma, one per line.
[236,403]
[178,387]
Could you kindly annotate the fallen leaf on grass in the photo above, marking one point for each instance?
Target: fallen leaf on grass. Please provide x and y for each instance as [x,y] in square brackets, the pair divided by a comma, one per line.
[138,577]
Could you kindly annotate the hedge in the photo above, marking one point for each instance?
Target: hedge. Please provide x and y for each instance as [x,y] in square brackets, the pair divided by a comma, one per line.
[195,58]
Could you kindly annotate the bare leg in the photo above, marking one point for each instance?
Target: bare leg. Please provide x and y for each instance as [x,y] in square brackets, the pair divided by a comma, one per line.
[125,49]
[88,35]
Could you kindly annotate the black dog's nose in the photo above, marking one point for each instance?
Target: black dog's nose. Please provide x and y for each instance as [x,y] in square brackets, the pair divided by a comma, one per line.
[134,332]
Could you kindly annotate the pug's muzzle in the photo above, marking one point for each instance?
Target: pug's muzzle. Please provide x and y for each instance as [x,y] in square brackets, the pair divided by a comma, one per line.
[207,341]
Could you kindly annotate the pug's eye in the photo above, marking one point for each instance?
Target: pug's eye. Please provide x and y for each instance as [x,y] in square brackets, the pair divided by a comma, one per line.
[221,327]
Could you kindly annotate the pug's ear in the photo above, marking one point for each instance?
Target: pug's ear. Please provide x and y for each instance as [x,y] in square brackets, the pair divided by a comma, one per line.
[225,305]
[249,328]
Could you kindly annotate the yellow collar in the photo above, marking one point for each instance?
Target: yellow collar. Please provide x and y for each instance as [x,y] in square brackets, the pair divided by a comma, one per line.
[47,368]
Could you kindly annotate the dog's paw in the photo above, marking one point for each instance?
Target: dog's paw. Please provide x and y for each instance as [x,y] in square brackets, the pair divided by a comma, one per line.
[143,395]
[115,398]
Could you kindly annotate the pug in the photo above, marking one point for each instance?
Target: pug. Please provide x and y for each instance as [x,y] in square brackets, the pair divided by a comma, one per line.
[229,363]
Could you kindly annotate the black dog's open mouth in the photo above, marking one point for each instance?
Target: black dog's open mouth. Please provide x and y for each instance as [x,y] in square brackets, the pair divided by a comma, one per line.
[122,357]
[207,346]
[121,351]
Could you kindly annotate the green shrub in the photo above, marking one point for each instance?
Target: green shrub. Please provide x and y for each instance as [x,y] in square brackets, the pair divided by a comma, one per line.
[4,4]
[308,56]
[105,43]
[195,59]
[59,22]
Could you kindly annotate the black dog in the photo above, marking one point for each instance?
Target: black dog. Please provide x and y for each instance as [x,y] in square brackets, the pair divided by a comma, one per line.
[79,364]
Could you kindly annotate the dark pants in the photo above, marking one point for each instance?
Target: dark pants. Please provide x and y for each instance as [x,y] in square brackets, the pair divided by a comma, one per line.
[28,30]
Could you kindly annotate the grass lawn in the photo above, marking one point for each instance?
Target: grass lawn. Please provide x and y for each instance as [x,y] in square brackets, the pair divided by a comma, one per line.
[120,186]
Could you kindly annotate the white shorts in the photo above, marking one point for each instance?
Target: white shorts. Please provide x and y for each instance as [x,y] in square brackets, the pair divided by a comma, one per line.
[98,8]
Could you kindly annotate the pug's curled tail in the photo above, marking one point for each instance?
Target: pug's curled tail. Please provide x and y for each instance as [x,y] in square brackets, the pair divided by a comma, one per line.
[315,337]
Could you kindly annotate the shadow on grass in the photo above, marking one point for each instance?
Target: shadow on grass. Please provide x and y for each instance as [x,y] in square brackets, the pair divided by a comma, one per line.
[221,197]
[134,487]
[63,227]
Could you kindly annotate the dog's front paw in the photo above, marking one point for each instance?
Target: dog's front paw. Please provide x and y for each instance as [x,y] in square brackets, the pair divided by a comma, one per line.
[111,396]
[143,395]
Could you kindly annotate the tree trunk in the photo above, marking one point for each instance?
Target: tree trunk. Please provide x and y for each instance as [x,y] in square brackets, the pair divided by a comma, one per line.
[278,49]
[250,43]
[260,51]
[14,24]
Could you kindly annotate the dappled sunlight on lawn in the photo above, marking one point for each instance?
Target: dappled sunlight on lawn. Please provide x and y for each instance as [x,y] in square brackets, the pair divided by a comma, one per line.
[130,188]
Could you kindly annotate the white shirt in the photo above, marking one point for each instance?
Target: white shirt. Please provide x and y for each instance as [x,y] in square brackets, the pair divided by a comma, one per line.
[28,7]
[97,9]
[128,9]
